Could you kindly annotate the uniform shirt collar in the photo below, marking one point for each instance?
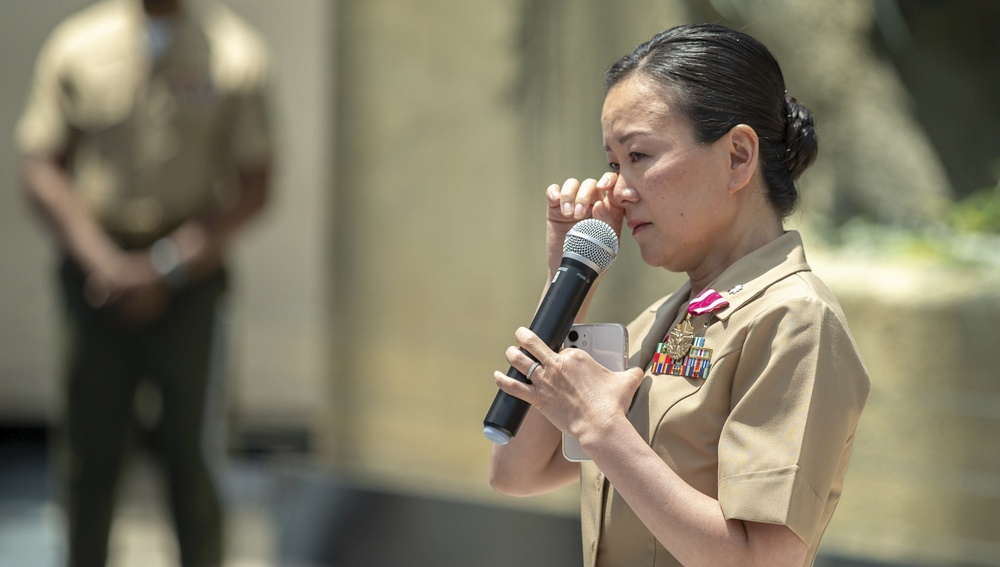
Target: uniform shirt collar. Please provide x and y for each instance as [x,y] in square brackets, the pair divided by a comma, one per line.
[749,276]
[752,274]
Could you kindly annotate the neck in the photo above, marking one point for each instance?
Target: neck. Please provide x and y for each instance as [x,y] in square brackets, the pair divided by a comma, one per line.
[759,226]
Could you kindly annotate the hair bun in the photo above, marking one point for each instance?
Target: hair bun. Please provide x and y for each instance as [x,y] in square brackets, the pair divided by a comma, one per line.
[801,142]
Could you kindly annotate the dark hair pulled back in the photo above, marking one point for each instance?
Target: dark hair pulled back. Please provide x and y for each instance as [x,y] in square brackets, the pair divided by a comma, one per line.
[718,78]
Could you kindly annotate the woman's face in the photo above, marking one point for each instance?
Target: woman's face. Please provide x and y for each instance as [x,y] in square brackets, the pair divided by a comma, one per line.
[673,190]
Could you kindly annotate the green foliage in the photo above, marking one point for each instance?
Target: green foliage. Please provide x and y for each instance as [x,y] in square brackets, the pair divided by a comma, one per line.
[977,213]
[967,235]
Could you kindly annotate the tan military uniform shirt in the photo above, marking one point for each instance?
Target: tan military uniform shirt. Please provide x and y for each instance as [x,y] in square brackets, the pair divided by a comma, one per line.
[153,119]
[769,432]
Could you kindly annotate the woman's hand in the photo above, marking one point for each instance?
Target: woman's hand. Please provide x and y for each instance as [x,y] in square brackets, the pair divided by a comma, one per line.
[575,389]
[572,390]
[574,201]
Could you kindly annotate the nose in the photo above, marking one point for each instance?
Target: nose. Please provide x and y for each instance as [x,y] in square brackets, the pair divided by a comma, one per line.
[622,192]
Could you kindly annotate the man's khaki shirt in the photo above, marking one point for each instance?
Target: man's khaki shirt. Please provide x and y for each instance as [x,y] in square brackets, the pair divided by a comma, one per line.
[150,141]
[769,432]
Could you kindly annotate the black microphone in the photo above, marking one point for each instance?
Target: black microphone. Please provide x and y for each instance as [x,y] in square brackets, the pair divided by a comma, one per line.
[588,250]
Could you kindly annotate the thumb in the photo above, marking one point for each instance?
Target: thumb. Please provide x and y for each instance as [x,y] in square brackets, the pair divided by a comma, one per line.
[610,214]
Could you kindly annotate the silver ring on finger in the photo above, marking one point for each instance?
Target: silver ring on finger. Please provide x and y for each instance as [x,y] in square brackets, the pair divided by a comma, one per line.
[532,371]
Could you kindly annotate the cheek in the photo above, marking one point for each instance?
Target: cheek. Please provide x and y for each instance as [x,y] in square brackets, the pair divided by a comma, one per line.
[686,191]
[669,193]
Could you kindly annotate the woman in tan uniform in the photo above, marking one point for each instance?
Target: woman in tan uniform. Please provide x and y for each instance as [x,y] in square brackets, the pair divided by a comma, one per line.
[728,440]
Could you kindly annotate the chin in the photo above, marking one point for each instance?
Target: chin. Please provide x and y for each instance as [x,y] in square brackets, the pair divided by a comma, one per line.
[660,259]
[653,259]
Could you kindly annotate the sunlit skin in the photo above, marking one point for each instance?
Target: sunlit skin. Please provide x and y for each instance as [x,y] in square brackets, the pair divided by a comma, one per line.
[693,208]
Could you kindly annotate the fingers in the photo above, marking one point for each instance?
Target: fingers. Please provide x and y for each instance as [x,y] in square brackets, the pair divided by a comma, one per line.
[607,182]
[98,293]
[523,363]
[532,350]
[575,200]
[535,347]
[519,360]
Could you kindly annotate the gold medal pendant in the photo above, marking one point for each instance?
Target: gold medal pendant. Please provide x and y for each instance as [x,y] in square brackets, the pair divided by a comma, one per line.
[682,353]
[679,340]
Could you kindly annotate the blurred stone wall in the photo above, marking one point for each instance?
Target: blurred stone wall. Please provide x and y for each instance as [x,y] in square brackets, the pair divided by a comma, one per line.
[27,308]
[924,485]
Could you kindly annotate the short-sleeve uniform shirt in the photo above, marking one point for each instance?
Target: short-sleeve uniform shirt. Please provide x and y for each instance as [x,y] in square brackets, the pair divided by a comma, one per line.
[152,118]
[768,431]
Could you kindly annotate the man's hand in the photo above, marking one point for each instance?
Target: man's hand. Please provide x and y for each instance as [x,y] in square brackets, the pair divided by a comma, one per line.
[128,288]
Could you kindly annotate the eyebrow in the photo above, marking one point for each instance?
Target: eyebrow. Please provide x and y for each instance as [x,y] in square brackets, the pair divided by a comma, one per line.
[621,140]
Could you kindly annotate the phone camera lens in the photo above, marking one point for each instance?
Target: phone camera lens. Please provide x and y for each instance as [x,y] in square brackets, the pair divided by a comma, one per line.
[574,336]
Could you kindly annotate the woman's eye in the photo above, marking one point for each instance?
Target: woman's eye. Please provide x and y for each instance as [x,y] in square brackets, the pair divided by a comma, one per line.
[614,166]
[635,156]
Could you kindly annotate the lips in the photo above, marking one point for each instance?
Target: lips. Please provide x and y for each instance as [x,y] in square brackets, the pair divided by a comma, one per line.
[636,225]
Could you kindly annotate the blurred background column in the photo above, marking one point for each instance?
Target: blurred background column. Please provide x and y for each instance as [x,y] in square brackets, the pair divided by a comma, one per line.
[432,223]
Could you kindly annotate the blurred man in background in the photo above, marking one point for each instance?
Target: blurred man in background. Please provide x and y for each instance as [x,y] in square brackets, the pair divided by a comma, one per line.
[145,148]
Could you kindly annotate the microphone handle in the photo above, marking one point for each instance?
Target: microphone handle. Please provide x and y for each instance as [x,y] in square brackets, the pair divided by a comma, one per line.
[551,323]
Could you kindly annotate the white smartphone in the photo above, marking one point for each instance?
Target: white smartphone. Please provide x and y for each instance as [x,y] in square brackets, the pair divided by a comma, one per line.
[608,344]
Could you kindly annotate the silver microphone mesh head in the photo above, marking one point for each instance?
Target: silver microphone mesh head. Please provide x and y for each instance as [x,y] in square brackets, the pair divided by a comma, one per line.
[593,242]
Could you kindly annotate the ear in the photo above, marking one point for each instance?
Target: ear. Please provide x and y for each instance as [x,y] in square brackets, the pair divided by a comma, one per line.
[743,147]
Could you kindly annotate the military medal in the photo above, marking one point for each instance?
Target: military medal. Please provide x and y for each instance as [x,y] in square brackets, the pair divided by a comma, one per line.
[679,340]
[682,353]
